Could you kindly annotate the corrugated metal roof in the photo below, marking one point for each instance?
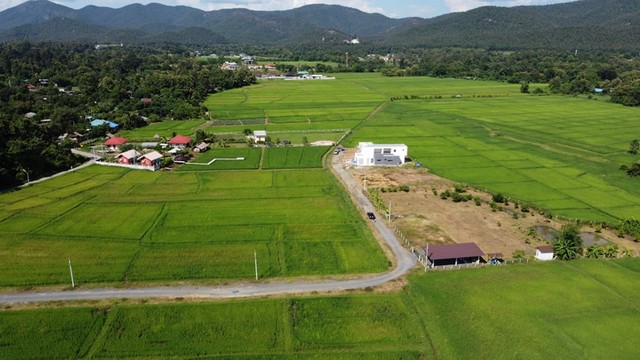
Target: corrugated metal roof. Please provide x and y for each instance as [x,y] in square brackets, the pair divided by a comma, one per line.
[454,251]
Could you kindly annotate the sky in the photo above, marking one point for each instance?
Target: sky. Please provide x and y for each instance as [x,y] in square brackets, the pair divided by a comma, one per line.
[390,8]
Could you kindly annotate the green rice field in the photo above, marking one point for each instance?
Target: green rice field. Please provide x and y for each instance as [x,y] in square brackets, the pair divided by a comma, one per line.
[561,154]
[120,226]
[164,129]
[571,310]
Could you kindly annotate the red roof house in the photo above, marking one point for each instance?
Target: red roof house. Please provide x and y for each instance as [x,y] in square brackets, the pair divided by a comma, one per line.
[180,141]
[454,254]
[114,142]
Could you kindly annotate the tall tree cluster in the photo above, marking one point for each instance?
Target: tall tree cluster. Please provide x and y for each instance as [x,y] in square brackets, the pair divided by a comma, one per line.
[64,84]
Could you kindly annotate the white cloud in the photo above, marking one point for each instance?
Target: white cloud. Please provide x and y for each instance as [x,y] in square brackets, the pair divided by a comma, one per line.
[5,4]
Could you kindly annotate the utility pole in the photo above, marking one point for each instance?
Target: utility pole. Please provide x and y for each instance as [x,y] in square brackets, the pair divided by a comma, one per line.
[255,260]
[73,284]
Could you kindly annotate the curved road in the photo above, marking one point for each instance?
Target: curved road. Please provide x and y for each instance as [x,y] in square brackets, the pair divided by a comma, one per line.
[404,263]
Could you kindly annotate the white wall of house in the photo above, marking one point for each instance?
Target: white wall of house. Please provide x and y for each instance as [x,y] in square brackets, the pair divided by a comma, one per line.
[367,152]
[544,256]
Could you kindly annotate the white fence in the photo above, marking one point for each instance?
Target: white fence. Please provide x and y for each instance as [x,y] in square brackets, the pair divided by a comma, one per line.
[128,166]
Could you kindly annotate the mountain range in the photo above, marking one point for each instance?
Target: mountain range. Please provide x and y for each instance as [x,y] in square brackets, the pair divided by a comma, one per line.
[583,24]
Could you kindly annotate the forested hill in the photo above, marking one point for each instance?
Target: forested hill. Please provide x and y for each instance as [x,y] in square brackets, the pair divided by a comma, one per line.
[584,24]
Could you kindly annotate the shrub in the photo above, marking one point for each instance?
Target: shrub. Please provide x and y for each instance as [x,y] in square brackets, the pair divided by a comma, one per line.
[499,198]
[460,188]
[405,188]
[477,200]
[518,254]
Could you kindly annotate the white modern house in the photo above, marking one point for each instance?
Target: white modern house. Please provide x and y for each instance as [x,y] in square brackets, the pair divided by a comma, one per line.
[370,154]
[544,253]
[260,136]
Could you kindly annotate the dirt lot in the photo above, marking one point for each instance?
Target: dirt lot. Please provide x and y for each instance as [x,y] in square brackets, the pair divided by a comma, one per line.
[426,218]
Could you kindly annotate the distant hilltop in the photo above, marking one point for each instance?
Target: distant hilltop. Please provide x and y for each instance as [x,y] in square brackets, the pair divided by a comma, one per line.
[585,24]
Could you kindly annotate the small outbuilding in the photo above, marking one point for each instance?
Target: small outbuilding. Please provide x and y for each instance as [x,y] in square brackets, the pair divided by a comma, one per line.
[114,143]
[180,141]
[454,254]
[544,253]
[202,147]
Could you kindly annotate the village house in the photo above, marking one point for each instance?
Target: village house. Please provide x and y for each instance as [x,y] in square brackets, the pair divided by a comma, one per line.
[129,157]
[370,154]
[180,141]
[114,143]
[232,66]
[151,159]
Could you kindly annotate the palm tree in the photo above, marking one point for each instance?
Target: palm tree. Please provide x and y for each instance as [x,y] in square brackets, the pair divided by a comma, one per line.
[564,249]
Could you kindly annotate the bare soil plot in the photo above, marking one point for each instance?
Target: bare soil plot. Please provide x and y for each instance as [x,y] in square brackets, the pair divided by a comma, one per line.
[426,218]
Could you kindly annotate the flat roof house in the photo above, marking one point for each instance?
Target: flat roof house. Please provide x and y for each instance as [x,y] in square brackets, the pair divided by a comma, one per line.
[454,254]
[544,253]
[370,154]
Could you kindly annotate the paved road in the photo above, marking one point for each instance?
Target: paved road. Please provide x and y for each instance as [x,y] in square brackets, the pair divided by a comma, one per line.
[404,262]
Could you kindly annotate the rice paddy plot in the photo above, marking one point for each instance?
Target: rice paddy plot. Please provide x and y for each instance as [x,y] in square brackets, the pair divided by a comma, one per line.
[294,157]
[225,159]
[165,130]
[164,226]
[556,309]
[111,221]
[291,102]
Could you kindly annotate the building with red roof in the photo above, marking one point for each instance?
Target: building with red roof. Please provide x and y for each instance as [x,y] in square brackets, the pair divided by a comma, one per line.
[115,142]
[180,141]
